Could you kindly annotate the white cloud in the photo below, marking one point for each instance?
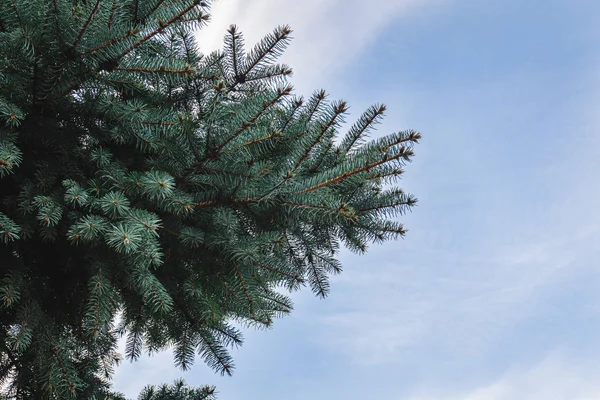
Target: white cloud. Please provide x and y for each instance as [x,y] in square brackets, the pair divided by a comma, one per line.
[328,34]
[380,314]
[556,377]
[372,337]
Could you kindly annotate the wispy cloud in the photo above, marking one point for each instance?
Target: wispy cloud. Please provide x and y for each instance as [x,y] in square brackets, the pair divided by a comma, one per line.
[377,316]
[328,34]
[555,377]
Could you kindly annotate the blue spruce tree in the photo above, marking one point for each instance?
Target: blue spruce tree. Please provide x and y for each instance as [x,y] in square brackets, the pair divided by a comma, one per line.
[152,191]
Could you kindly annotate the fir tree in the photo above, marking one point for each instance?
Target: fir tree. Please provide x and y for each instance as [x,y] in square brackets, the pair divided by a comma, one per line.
[151,191]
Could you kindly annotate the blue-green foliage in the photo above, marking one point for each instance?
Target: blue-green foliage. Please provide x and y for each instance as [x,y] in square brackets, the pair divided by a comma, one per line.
[177,391]
[153,191]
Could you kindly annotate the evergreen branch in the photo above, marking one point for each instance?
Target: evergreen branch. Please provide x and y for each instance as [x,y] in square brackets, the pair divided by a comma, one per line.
[245,288]
[14,3]
[211,203]
[160,29]
[8,228]
[337,111]
[58,32]
[234,56]
[245,125]
[365,122]
[382,175]
[188,52]
[163,305]
[152,258]
[217,101]
[342,210]
[412,137]
[86,24]
[226,286]
[25,323]
[149,143]
[317,99]
[187,70]
[295,107]
[133,346]
[161,123]
[78,79]
[194,322]
[187,206]
[192,143]
[283,305]
[112,14]
[221,359]
[97,287]
[281,33]
[136,5]
[251,142]
[402,153]
[224,171]
[158,4]
[408,202]
[309,206]
[317,165]
[201,17]
[184,351]
[297,278]
[274,188]
[11,289]
[275,72]
[233,338]
[318,279]
[150,227]
[387,228]
[114,40]
[72,386]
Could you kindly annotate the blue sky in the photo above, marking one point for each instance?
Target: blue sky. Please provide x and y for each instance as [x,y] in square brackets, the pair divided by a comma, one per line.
[493,295]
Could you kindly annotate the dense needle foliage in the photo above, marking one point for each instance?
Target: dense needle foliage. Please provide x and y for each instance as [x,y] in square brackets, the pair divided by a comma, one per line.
[154,192]
[177,391]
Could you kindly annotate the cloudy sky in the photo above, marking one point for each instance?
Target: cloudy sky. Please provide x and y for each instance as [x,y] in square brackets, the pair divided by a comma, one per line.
[495,292]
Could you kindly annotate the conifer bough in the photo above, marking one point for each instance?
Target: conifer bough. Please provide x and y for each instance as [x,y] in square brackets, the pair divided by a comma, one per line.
[154,192]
